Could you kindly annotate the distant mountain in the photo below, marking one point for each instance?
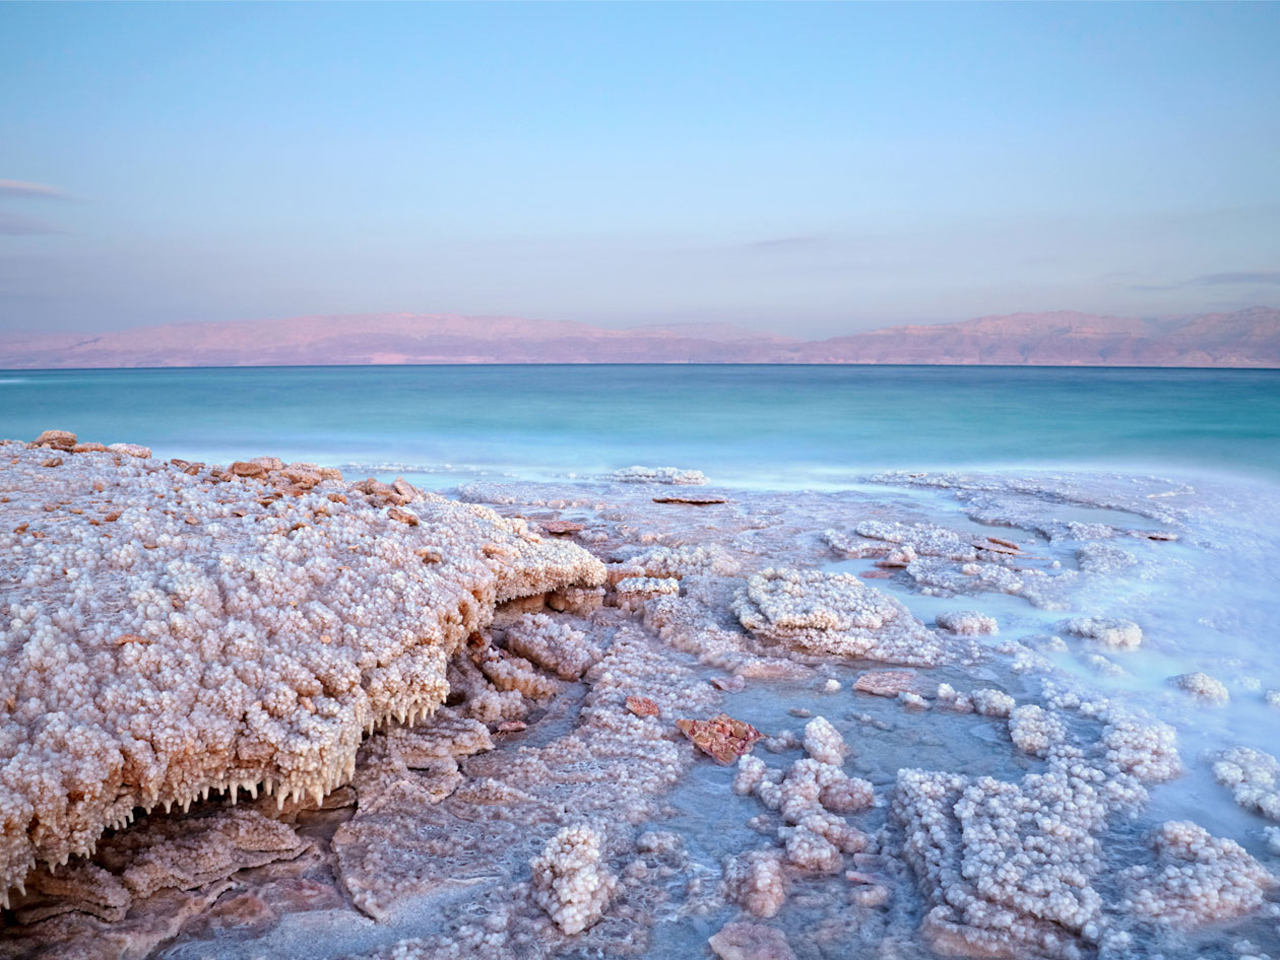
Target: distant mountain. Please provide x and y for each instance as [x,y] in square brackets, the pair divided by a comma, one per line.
[1247,338]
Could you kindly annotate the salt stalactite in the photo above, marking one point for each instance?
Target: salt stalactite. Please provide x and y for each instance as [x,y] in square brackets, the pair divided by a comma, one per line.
[171,629]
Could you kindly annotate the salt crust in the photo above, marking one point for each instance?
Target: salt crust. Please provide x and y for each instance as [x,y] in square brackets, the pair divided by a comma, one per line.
[1203,687]
[213,633]
[834,613]
[1112,634]
[1196,879]
[1253,778]
[1035,731]
[569,880]
[968,623]
[811,797]
[668,475]
[553,645]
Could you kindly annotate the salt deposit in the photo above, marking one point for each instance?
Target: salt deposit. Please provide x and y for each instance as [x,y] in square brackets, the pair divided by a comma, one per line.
[1002,797]
[168,634]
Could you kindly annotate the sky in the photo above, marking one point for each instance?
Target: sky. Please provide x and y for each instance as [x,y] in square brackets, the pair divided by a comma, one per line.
[810,169]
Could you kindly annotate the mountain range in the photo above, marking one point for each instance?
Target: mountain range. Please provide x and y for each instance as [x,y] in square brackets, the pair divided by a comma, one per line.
[1245,338]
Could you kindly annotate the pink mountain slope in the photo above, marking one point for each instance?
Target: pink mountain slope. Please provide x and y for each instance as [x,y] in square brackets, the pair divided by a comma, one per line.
[1247,338]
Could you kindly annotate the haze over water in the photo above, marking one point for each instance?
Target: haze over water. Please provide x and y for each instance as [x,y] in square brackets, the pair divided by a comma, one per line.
[753,425]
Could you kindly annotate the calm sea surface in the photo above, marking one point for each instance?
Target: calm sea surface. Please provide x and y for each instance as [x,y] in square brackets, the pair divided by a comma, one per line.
[781,425]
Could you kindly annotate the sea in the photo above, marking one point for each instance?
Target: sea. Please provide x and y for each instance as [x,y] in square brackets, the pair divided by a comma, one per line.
[767,426]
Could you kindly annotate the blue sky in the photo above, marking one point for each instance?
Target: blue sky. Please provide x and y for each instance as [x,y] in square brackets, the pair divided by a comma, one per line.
[807,168]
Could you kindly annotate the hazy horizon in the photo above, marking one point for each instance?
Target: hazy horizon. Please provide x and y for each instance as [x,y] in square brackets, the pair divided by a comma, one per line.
[811,170]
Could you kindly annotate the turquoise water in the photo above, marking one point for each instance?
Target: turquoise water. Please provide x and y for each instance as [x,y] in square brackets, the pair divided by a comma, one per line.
[781,425]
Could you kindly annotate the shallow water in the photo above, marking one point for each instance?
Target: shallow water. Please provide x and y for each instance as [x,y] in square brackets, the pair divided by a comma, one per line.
[761,425]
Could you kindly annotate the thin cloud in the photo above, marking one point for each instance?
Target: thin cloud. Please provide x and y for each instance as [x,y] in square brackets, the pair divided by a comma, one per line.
[14,225]
[27,190]
[1237,278]
[778,243]
[1254,276]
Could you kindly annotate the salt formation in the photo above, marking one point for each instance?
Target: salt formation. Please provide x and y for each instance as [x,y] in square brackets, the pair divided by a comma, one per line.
[968,623]
[1196,879]
[1203,687]
[569,880]
[1034,730]
[670,475]
[678,562]
[1005,868]
[923,539]
[1253,778]
[169,631]
[553,645]
[756,880]
[992,703]
[811,798]
[750,941]
[823,742]
[1113,634]
[833,613]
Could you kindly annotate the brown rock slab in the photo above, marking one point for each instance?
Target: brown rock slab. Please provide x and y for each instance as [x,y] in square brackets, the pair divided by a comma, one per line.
[722,738]
[691,501]
[888,683]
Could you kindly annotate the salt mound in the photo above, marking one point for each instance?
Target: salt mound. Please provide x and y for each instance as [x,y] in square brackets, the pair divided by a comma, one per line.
[167,632]
[1196,879]
[668,475]
[1113,634]
[1253,778]
[569,880]
[833,613]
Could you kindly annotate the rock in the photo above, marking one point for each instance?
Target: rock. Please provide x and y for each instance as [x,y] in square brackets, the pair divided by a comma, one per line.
[57,440]
[89,448]
[642,706]
[52,462]
[888,683]
[247,468]
[131,450]
[691,501]
[750,941]
[722,738]
[403,516]
[559,528]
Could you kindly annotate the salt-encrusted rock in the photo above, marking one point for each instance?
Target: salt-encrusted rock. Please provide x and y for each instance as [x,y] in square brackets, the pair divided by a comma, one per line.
[678,562]
[1196,879]
[967,623]
[1203,687]
[751,770]
[569,880]
[1141,746]
[1253,778]
[993,703]
[1113,634]
[131,450]
[722,738]
[553,645]
[148,660]
[63,440]
[671,475]
[1006,868]
[888,683]
[750,941]
[833,613]
[823,742]
[1272,836]
[757,882]
[1035,731]
[925,539]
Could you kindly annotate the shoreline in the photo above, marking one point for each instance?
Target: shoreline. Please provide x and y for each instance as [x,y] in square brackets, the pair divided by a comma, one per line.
[432,828]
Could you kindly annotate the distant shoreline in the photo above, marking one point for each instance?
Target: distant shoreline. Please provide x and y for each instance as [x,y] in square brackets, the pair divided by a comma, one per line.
[1244,339]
